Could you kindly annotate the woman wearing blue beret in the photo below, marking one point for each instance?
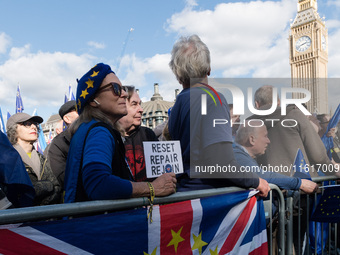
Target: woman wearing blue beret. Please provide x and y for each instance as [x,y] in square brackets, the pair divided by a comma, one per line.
[96,168]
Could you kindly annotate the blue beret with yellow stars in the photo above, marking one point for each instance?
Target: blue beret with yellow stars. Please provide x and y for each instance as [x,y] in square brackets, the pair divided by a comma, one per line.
[89,84]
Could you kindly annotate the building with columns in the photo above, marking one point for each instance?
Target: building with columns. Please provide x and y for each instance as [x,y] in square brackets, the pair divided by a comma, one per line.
[156,110]
[308,54]
[51,124]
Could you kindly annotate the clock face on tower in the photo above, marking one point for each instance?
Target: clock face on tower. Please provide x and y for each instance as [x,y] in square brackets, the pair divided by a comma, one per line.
[303,43]
[323,42]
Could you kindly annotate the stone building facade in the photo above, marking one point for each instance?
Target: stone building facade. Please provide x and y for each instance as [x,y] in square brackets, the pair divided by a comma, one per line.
[156,110]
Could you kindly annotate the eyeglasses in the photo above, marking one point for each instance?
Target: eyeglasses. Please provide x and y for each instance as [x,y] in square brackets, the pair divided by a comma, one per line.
[117,89]
[29,123]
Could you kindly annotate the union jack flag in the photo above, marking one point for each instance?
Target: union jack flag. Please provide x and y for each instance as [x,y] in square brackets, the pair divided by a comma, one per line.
[224,224]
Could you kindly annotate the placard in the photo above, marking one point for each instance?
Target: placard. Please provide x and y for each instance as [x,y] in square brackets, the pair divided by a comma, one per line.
[162,157]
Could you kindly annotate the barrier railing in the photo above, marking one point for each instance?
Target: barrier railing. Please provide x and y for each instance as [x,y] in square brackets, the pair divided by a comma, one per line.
[303,210]
[285,238]
[29,214]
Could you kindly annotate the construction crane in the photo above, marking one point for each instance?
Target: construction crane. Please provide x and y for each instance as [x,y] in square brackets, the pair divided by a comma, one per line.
[123,50]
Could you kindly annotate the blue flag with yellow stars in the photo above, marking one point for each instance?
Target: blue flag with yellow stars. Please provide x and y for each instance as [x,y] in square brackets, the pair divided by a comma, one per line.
[2,124]
[14,178]
[328,141]
[19,106]
[328,206]
[299,167]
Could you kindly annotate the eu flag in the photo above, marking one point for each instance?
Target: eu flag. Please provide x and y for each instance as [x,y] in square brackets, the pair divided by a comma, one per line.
[70,96]
[328,141]
[13,175]
[299,167]
[41,145]
[3,127]
[328,206]
[19,105]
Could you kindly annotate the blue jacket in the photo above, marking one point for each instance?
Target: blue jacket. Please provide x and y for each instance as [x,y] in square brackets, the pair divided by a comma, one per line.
[282,181]
[98,167]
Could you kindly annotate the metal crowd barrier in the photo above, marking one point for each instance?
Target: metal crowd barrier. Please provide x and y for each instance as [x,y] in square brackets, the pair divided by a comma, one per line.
[303,244]
[37,213]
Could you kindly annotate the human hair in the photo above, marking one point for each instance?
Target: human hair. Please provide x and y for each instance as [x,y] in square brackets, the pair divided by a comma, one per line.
[321,117]
[190,58]
[243,132]
[264,95]
[87,115]
[119,128]
[130,90]
[12,133]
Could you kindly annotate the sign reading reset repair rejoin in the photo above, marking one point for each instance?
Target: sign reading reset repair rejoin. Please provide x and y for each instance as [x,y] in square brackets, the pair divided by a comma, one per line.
[162,157]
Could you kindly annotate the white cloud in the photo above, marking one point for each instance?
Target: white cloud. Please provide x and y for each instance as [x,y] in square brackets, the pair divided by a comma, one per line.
[96,45]
[333,24]
[333,2]
[244,38]
[43,78]
[5,41]
[156,66]
[191,3]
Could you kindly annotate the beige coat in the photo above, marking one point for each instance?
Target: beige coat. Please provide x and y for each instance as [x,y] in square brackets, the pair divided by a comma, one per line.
[285,141]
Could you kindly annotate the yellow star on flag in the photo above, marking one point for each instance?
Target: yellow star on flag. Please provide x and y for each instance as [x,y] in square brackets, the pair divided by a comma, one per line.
[89,83]
[213,252]
[176,238]
[79,104]
[153,252]
[84,93]
[198,243]
[94,74]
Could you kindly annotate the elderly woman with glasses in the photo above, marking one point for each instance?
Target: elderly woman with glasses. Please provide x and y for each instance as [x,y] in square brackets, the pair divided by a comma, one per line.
[22,132]
[96,167]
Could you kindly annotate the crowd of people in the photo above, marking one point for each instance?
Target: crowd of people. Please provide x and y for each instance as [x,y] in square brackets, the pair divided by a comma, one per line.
[100,154]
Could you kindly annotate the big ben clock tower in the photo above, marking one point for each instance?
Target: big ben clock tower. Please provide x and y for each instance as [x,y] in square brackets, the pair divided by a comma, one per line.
[309,55]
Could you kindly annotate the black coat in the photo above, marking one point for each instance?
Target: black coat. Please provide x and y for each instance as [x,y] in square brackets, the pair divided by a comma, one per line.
[57,155]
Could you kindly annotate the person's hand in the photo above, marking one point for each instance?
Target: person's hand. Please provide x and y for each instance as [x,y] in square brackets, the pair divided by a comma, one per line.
[308,186]
[331,133]
[263,188]
[165,184]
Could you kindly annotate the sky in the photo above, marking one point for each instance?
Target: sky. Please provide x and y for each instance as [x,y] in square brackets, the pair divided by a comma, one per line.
[46,45]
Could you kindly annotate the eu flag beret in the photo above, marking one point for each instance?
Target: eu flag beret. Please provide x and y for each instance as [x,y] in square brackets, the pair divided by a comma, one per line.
[89,84]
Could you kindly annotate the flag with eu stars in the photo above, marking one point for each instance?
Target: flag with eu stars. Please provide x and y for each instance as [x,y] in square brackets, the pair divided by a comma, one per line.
[2,124]
[41,143]
[70,94]
[13,176]
[328,206]
[328,141]
[19,105]
[299,167]
[224,224]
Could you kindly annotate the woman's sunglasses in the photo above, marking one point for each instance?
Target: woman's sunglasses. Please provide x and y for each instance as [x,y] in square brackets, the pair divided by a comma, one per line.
[117,89]
[29,123]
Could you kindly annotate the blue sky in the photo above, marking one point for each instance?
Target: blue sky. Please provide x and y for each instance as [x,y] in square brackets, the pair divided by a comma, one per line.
[46,45]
